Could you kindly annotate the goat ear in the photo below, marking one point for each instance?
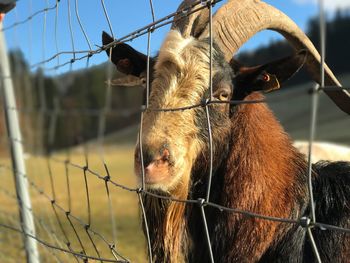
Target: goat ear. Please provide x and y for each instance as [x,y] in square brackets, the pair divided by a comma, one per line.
[268,77]
[126,59]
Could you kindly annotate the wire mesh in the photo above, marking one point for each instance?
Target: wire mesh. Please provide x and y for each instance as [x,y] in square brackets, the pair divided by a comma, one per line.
[67,222]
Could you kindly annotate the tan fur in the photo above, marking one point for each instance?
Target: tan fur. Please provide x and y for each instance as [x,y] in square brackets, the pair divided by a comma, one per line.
[174,227]
[180,80]
[181,77]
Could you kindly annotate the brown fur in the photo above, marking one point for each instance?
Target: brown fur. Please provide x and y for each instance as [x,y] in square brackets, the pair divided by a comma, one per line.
[171,238]
[261,178]
[175,232]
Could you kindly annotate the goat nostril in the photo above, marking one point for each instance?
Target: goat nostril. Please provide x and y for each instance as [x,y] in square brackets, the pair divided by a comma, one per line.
[147,157]
[166,155]
[157,157]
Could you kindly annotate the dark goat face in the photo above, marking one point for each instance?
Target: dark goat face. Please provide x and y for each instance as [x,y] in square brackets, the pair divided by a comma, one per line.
[174,141]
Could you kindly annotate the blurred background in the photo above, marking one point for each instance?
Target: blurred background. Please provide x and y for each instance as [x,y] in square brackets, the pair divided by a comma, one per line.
[72,119]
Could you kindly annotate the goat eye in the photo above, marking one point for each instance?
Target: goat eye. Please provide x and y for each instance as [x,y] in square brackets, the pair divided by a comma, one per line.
[223,96]
[264,77]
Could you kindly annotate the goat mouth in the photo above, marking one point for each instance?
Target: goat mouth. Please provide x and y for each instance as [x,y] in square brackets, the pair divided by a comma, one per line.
[153,180]
[155,174]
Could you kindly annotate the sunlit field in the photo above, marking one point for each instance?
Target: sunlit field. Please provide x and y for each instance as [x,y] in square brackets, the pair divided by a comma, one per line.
[129,238]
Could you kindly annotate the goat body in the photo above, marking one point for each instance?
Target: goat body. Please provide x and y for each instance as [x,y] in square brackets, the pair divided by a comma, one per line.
[255,166]
[254,176]
[264,174]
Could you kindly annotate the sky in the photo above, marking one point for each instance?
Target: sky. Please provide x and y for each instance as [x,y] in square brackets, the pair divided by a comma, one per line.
[36,38]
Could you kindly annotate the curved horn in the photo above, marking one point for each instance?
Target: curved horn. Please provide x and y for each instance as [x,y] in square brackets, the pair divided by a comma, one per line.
[238,20]
[192,24]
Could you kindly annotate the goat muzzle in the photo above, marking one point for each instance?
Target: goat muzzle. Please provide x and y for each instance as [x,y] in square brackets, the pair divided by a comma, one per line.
[156,166]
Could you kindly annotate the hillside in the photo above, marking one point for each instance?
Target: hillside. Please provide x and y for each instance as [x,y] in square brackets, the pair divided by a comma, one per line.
[292,106]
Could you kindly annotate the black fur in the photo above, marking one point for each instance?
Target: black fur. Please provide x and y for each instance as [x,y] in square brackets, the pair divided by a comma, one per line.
[331,188]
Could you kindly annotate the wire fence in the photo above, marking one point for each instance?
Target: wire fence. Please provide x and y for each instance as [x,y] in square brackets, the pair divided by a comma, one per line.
[85,199]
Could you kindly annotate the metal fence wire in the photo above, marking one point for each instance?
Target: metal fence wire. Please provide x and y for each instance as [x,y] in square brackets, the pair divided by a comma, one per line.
[72,222]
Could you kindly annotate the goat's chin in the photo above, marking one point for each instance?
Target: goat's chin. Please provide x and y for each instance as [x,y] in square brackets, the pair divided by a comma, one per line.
[173,184]
[164,182]
[161,182]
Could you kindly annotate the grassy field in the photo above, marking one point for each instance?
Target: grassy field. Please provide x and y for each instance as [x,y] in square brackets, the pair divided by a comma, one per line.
[129,237]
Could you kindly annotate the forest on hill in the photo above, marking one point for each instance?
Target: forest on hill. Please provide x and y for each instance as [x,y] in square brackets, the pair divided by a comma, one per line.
[79,106]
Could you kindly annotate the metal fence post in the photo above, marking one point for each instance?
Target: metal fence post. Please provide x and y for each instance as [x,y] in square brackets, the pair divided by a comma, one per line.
[15,142]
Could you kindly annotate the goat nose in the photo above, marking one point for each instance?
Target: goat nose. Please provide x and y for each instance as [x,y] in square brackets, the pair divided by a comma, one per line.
[147,157]
[165,156]
[157,157]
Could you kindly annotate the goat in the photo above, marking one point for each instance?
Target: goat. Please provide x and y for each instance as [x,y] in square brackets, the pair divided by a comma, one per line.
[255,166]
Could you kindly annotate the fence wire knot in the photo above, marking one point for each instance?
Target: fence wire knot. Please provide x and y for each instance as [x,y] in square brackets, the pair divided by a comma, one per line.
[305,222]
[107,178]
[201,202]
[314,89]
[112,246]
[205,102]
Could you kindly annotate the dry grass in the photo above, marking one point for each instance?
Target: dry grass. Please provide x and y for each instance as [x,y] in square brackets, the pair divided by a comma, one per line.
[129,242]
